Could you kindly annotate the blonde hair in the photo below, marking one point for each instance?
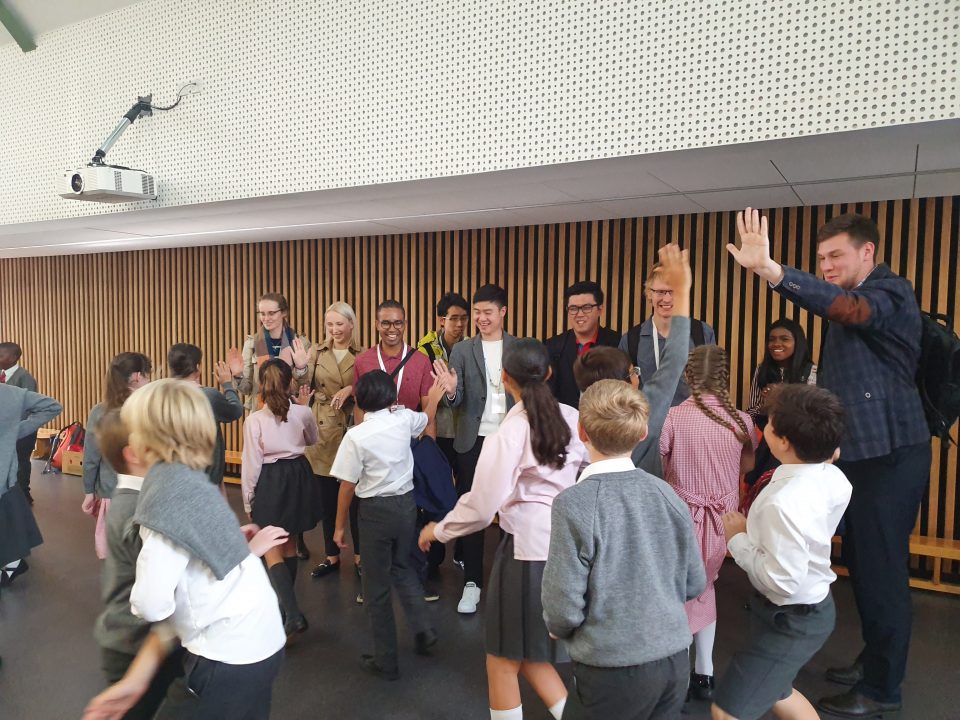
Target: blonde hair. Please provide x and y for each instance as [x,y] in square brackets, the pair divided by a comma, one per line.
[655,273]
[708,373]
[342,308]
[171,421]
[614,416]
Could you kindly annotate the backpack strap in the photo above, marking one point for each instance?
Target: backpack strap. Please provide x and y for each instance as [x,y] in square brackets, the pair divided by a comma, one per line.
[428,348]
[633,343]
[398,368]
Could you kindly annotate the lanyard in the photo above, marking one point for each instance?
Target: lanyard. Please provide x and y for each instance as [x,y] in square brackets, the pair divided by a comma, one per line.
[403,354]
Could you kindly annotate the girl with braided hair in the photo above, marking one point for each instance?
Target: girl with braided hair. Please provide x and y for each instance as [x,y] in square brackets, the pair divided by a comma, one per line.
[706,444]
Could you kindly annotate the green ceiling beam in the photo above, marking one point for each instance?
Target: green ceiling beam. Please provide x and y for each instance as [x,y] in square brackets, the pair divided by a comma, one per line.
[18,31]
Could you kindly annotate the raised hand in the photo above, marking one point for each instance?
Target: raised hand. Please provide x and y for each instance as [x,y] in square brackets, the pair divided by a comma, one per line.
[438,389]
[675,268]
[447,374]
[299,353]
[235,362]
[754,251]
[222,372]
[303,395]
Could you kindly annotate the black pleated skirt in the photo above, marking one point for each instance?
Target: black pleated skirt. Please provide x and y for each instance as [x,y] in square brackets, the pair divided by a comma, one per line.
[515,627]
[287,496]
[19,533]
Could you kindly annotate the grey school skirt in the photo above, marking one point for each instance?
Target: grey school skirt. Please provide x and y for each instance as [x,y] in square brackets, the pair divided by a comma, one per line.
[515,627]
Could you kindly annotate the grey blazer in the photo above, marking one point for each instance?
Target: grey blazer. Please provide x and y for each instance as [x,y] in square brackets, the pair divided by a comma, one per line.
[467,359]
[22,379]
[22,413]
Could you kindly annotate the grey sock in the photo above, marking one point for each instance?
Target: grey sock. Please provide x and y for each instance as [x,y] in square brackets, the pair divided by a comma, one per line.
[283,585]
[292,563]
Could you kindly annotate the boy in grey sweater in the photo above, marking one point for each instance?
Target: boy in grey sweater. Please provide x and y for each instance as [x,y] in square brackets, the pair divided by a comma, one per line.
[623,560]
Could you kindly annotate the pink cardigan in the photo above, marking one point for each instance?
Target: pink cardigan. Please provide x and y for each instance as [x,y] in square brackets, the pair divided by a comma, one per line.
[510,481]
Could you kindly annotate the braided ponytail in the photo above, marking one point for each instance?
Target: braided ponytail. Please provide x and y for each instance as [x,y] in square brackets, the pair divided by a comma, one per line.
[708,373]
[528,364]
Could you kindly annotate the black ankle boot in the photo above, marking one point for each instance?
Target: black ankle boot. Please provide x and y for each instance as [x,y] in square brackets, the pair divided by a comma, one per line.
[701,686]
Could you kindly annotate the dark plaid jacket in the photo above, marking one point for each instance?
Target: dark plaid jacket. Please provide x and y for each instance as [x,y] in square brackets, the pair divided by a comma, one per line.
[870,357]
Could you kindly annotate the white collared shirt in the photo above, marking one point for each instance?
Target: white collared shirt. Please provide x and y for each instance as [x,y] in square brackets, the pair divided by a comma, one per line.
[235,620]
[129,482]
[8,373]
[376,456]
[610,465]
[786,548]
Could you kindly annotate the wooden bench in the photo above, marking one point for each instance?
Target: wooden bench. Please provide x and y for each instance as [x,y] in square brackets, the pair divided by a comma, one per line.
[44,440]
[232,457]
[939,549]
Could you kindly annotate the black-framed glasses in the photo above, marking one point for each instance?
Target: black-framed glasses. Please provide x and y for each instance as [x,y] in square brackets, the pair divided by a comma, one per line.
[395,324]
[585,309]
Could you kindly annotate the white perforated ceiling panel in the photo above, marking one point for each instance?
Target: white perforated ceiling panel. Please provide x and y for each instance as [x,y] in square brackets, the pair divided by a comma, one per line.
[300,95]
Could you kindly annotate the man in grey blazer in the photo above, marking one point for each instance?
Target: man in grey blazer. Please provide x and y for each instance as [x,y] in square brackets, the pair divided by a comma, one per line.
[476,368]
[12,374]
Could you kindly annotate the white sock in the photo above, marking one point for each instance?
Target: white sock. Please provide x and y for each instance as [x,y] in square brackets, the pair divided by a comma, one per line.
[12,566]
[703,642]
[557,708]
[515,714]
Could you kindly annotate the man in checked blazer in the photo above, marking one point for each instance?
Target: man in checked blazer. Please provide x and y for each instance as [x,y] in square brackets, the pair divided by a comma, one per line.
[12,374]
[477,366]
[869,360]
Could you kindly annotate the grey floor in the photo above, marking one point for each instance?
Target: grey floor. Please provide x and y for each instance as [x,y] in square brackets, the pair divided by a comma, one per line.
[50,661]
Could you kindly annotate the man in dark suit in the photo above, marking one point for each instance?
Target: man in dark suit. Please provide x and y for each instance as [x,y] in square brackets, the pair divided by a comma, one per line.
[870,360]
[476,370]
[584,304]
[12,374]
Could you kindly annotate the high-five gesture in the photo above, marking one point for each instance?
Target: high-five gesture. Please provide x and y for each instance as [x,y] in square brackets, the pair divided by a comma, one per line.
[299,353]
[235,361]
[447,375]
[754,250]
[222,372]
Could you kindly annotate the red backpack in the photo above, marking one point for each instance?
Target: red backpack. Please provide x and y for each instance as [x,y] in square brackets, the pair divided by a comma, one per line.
[70,438]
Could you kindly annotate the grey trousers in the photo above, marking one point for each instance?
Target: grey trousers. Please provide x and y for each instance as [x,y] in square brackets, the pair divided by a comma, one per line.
[388,526]
[653,690]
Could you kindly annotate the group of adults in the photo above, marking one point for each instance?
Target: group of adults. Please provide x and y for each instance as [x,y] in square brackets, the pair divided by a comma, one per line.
[869,361]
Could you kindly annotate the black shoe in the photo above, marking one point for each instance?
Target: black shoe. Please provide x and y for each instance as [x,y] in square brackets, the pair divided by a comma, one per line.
[850,675]
[371,666]
[325,568]
[430,592]
[423,641]
[303,552]
[295,626]
[701,687]
[8,576]
[853,704]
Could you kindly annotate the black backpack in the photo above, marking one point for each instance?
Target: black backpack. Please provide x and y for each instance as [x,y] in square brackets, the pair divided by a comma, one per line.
[633,337]
[938,375]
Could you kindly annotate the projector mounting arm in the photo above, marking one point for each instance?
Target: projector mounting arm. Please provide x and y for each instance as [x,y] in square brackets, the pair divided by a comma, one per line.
[143,108]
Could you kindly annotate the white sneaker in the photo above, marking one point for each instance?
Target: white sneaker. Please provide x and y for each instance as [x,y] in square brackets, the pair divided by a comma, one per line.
[470,599]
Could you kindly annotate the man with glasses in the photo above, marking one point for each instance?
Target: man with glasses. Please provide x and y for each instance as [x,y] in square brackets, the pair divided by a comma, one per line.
[414,379]
[584,306]
[644,343]
[452,316]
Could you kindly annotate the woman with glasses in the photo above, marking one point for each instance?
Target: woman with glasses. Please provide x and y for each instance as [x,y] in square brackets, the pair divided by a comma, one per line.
[644,343]
[275,339]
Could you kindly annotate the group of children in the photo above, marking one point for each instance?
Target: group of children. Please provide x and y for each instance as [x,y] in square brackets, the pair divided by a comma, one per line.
[600,561]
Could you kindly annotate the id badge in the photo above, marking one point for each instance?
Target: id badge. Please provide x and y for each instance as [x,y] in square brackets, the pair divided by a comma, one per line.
[499,403]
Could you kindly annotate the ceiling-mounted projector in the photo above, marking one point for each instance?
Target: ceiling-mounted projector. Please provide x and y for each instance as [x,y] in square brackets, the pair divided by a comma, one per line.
[102,183]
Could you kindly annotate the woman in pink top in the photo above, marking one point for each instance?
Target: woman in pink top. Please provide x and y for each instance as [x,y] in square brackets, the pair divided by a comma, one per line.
[277,482]
[706,445]
[534,455]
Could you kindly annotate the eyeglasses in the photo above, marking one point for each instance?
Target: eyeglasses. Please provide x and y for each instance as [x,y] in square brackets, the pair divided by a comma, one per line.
[269,313]
[395,324]
[662,293]
[585,309]
[456,318]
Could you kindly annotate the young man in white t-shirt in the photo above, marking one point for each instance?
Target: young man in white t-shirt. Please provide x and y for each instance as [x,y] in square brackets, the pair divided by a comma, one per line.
[375,463]
[476,387]
[784,547]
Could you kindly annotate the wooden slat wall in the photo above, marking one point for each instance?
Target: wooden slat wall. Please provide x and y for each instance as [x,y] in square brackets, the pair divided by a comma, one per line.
[72,314]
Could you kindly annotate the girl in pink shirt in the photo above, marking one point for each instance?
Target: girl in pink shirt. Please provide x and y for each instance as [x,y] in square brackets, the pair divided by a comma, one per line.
[535,453]
[276,479]
[706,445]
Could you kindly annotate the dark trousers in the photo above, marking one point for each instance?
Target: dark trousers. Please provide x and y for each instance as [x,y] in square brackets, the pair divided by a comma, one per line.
[471,545]
[389,525]
[653,690]
[329,492]
[212,690]
[438,551]
[24,452]
[115,664]
[883,511]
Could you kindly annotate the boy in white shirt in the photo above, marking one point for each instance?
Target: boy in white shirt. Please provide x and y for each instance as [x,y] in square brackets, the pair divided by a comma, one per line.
[784,547]
[375,462]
